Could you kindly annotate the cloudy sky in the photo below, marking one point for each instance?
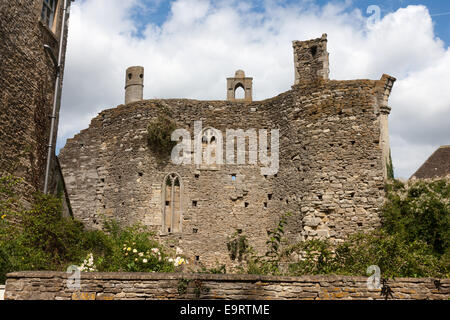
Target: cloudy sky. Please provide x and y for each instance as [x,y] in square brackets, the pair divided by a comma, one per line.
[189,47]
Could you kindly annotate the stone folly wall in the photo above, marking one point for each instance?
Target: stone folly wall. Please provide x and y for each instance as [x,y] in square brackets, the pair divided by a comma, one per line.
[27,77]
[330,176]
[138,286]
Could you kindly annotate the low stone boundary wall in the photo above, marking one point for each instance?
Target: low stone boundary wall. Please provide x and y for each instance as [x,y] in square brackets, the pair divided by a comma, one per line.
[2,292]
[124,286]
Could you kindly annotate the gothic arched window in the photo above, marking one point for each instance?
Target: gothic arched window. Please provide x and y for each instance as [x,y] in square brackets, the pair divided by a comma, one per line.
[172,213]
[211,149]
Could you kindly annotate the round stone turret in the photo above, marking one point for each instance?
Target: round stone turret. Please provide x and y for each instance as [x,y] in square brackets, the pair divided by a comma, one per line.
[134,84]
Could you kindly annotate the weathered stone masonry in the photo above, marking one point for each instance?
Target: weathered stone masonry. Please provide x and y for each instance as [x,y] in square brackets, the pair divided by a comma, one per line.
[27,76]
[139,286]
[331,174]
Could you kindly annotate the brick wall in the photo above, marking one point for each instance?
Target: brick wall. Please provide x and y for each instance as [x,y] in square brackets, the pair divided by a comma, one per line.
[121,286]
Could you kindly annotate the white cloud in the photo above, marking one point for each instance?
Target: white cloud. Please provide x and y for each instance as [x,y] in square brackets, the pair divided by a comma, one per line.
[203,42]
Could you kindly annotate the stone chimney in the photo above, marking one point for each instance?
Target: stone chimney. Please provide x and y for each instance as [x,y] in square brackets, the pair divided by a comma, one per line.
[311,59]
[134,84]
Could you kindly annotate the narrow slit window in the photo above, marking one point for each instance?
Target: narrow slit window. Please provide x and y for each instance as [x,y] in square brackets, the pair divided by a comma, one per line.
[171,211]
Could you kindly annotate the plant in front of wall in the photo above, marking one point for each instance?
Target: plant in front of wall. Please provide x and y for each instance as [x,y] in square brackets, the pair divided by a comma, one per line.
[199,289]
[159,133]
[237,246]
[182,286]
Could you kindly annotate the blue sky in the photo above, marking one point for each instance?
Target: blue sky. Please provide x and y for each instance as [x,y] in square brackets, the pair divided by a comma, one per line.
[189,47]
[156,12]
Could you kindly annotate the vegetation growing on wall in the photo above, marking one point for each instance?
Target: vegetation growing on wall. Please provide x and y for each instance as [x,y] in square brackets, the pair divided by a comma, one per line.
[237,246]
[40,238]
[412,242]
[419,211]
[254,263]
[159,133]
[390,167]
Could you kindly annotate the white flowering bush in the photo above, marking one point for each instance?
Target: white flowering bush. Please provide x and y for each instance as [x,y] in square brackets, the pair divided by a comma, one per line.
[134,249]
[39,237]
[153,259]
[88,264]
[178,261]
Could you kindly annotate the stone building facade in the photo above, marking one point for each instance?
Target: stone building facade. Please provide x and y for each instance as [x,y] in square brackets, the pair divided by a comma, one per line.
[333,150]
[27,78]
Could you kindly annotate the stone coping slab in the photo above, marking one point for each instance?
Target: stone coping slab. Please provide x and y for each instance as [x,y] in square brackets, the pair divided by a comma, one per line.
[204,276]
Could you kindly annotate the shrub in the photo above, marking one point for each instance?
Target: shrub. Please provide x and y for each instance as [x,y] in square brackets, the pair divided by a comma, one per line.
[419,211]
[159,133]
[413,240]
[131,249]
[394,256]
[40,238]
[253,263]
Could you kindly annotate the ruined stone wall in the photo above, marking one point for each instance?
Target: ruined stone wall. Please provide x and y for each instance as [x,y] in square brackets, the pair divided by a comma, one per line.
[330,176]
[27,76]
[109,169]
[41,285]
[311,59]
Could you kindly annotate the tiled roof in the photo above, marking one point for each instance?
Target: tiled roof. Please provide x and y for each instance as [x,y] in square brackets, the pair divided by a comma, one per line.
[436,166]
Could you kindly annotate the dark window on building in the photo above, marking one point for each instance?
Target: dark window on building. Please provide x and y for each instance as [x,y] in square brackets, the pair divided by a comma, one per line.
[171,204]
[48,12]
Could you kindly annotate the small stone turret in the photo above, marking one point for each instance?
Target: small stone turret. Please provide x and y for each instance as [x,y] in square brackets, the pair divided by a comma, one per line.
[311,59]
[134,84]
[239,80]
